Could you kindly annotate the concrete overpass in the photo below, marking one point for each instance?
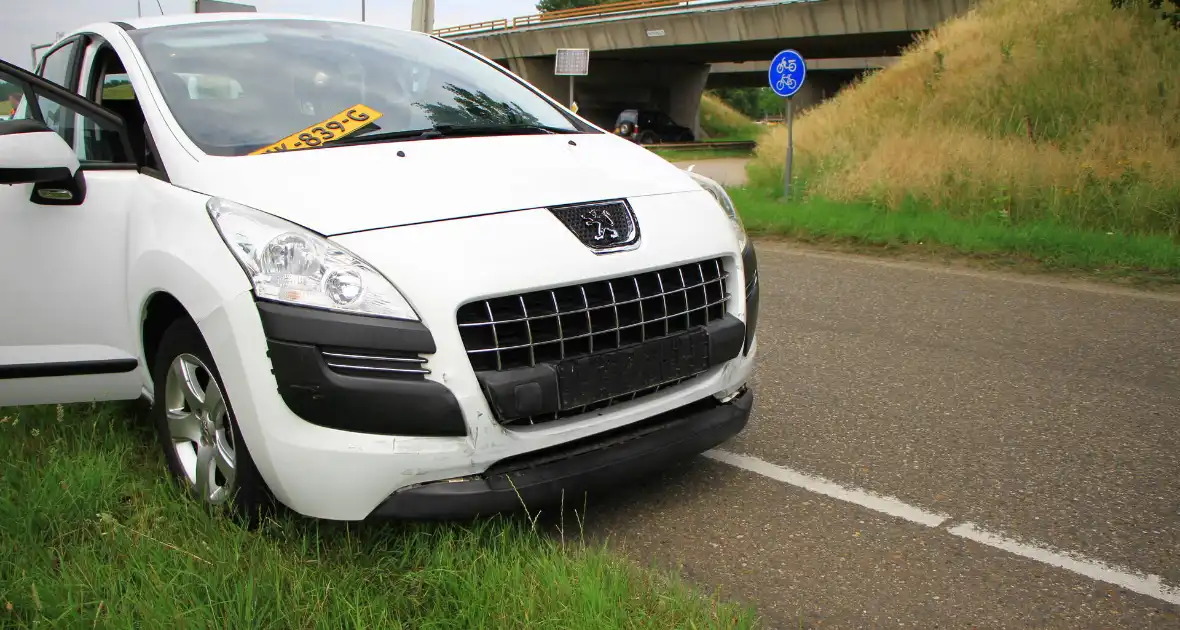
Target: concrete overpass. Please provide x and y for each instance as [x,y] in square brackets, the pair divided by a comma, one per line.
[659,54]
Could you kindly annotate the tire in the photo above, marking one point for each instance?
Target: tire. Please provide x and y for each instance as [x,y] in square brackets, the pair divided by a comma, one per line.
[648,138]
[211,435]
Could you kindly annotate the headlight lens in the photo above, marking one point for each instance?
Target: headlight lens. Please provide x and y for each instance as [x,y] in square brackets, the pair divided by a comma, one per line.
[726,204]
[289,264]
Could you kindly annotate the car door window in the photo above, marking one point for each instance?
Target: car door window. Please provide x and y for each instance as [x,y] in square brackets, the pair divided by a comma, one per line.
[118,96]
[56,67]
[57,118]
[57,64]
[102,141]
[111,87]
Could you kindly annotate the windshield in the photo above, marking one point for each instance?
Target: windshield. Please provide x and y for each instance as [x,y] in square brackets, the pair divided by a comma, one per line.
[239,87]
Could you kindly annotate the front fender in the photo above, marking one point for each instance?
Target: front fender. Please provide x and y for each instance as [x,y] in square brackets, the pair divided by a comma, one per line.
[174,248]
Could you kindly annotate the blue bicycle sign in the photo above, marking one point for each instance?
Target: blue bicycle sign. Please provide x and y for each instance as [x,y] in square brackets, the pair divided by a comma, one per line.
[787,72]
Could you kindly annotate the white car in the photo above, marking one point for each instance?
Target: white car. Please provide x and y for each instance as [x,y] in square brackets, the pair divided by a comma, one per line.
[363,271]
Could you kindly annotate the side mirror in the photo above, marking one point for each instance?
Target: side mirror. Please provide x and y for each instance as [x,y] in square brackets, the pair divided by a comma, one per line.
[31,153]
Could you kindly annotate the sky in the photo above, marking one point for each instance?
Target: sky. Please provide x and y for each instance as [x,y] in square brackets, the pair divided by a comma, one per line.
[24,23]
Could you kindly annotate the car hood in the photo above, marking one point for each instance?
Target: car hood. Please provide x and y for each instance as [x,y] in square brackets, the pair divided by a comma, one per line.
[362,187]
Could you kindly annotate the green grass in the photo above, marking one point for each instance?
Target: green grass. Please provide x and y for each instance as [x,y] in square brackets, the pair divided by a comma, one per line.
[1044,243]
[93,537]
[680,155]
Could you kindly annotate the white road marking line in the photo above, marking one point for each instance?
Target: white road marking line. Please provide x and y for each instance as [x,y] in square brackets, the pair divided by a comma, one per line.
[1134,581]
[863,498]
[1144,584]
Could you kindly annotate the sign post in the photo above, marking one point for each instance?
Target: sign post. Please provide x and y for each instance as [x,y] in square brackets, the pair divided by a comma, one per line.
[572,62]
[787,72]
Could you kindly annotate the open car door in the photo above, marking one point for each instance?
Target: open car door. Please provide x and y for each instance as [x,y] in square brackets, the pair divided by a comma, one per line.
[66,176]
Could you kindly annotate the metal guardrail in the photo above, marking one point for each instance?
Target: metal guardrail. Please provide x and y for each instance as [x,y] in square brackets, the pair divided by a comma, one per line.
[571,14]
[600,9]
[489,25]
[689,146]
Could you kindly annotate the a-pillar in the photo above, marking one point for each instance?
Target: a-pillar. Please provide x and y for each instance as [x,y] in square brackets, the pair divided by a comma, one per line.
[539,72]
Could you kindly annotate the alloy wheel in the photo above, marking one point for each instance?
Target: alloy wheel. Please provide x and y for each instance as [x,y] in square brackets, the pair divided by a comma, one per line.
[200,429]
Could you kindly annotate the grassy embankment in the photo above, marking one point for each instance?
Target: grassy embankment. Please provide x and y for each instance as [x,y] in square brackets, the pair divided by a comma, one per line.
[93,537]
[1040,131]
[720,122]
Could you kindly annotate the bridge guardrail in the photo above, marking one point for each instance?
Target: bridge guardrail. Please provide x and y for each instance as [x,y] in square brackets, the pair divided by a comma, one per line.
[601,9]
[570,14]
[489,25]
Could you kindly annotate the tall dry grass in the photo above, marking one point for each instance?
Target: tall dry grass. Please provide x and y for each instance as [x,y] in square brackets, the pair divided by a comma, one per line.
[1060,109]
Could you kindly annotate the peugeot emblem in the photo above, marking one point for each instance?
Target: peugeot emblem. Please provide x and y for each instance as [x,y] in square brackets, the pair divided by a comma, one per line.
[601,221]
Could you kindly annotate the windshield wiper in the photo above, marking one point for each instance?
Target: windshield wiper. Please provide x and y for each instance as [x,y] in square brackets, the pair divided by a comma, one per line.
[381,136]
[449,131]
[496,130]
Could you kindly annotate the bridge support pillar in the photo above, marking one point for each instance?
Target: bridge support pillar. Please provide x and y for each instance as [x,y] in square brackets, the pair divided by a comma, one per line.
[686,88]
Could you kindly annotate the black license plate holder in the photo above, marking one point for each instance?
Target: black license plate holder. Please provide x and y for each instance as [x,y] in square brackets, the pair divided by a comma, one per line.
[598,377]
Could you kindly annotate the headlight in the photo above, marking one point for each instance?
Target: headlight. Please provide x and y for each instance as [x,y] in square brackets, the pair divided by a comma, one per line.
[726,204]
[289,264]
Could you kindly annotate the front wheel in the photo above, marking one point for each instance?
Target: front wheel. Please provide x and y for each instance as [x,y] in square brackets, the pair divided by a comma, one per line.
[203,446]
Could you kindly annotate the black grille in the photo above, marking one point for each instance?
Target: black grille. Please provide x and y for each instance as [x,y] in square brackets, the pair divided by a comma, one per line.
[547,326]
[600,226]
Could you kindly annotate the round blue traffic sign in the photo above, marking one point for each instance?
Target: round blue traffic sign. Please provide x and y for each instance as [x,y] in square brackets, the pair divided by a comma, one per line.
[787,72]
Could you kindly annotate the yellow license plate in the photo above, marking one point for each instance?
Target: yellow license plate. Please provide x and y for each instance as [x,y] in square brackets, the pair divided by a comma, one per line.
[334,128]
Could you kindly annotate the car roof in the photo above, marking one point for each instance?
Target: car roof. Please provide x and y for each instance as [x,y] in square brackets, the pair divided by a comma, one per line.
[208,18]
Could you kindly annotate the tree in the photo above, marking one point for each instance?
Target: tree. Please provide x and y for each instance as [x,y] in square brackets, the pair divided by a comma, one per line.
[544,6]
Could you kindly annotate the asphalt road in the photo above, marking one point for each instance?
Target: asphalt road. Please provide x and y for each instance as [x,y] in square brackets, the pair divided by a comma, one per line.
[1046,412]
